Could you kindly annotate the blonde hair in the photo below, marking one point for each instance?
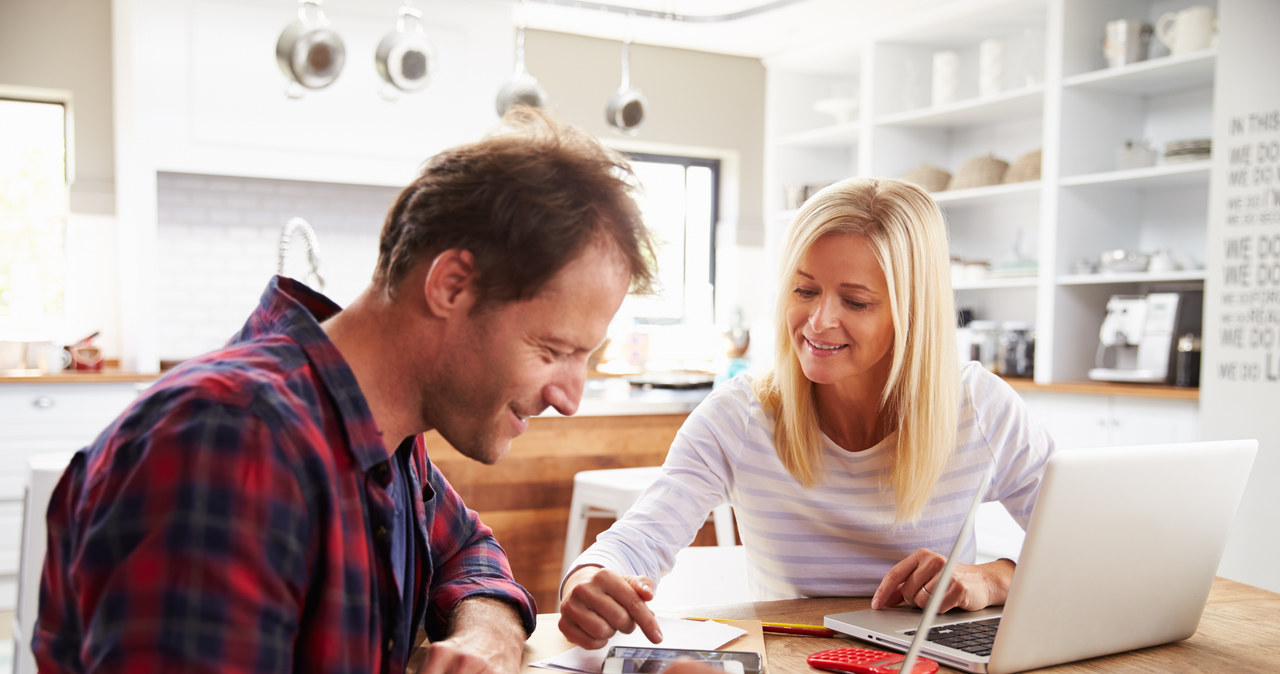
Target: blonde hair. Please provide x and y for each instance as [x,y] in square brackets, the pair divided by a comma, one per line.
[921,397]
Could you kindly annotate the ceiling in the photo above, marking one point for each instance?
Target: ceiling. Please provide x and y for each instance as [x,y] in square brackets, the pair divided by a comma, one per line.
[751,28]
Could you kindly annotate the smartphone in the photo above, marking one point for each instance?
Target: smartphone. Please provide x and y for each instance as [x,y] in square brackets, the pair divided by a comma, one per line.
[749,661]
[655,665]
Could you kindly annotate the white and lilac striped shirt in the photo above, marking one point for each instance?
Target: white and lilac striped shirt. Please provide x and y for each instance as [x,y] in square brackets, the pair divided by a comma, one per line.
[836,538]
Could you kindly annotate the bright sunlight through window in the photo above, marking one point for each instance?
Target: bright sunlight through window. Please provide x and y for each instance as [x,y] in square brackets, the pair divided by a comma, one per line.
[33,214]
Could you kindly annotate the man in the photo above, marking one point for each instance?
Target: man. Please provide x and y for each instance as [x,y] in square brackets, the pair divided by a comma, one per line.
[270,506]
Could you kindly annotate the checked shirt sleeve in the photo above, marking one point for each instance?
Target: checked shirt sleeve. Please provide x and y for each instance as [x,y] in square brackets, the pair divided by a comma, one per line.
[183,550]
[468,561]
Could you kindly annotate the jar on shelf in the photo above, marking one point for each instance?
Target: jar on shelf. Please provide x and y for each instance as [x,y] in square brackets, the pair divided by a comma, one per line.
[985,336]
[1017,349]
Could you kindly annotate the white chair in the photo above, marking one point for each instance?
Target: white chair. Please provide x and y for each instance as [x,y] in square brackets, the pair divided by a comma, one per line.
[43,472]
[609,493]
[704,575]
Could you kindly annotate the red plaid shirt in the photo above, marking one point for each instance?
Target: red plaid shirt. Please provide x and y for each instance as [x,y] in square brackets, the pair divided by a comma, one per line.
[236,519]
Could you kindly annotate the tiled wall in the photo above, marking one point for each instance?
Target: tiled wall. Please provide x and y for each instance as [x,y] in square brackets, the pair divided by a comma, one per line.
[217,242]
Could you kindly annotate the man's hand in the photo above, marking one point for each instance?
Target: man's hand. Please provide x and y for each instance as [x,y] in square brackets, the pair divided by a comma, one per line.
[487,637]
[912,581]
[597,603]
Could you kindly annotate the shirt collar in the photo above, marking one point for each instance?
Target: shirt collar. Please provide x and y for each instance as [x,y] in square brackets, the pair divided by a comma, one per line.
[290,308]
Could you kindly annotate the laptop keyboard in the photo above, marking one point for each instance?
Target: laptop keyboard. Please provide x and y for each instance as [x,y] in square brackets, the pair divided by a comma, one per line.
[973,637]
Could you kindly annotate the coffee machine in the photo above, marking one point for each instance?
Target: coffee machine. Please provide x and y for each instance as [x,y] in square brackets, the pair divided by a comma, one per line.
[1138,338]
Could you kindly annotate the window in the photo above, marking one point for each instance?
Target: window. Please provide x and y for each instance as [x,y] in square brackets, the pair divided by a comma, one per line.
[33,214]
[679,204]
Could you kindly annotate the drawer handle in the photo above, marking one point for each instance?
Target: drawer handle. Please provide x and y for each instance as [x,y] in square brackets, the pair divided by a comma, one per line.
[42,402]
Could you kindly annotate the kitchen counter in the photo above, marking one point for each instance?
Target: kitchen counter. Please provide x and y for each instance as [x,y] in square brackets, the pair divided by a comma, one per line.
[110,374]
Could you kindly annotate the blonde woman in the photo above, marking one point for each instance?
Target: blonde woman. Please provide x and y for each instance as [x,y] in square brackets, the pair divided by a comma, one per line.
[852,462]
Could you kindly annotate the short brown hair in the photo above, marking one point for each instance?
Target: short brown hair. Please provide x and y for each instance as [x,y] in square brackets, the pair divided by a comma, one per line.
[525,201]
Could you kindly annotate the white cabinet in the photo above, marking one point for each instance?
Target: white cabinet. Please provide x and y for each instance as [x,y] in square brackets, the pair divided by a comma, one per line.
[37,418]
[1082,420]
[1056,95]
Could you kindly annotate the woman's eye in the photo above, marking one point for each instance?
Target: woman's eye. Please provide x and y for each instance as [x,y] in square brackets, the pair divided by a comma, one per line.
[804,292]
[853,304]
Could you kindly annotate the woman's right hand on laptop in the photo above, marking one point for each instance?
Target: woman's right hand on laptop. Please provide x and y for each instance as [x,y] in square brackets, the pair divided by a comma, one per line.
[597,603]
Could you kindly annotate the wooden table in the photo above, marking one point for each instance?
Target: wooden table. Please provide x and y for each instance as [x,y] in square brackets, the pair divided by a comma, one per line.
[1239,632]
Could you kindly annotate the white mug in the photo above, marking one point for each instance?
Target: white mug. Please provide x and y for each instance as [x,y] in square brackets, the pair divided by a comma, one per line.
[1189,30]
[1126,42]
[945,67]
[990,67]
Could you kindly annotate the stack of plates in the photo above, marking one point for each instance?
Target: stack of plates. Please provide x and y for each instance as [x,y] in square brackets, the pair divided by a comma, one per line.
[1191,149]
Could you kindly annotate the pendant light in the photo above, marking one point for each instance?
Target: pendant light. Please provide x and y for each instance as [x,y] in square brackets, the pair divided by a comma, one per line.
[308,51]
[521,88]
[626,107]
[405,58]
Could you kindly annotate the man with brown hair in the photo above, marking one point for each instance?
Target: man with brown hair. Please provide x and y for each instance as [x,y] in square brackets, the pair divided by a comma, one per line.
[271,507]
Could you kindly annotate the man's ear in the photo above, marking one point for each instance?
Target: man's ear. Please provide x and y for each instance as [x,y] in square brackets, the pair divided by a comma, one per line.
[449,285]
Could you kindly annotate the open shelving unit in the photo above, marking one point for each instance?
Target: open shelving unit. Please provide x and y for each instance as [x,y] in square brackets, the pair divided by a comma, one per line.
[1059,97]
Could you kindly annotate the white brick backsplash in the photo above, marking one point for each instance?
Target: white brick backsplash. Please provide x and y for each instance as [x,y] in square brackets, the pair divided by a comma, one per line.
[217,238]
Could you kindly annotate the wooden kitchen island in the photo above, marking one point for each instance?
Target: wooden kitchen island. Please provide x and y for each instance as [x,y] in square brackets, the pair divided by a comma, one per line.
[525,497]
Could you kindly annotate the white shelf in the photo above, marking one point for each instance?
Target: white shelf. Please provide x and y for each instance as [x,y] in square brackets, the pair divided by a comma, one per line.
[1019,103]
[1163,176]
[996,283]
[836,135]
[981,196]
[1145,78]
[1105,278]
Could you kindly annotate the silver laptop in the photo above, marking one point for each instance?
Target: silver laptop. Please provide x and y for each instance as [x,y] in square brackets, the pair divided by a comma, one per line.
[1120,554]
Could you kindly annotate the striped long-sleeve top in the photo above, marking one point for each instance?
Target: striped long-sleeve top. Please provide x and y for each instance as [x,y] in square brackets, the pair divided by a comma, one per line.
[836,538]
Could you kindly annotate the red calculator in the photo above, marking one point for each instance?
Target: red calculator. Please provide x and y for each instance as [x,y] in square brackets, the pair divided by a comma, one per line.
[867,661]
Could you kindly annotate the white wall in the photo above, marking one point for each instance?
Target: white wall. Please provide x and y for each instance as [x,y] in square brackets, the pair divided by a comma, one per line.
[1240,382]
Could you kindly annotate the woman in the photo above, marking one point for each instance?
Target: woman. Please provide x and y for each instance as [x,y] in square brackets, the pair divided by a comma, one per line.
[854,459]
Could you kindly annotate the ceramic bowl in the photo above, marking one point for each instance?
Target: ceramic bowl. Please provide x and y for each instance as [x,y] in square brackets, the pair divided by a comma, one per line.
[1120,260]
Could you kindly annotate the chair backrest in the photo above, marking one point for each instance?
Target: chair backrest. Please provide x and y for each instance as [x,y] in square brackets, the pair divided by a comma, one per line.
[704,575]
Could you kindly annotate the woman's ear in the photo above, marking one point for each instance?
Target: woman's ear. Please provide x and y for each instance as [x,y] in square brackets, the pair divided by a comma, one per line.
[450,282]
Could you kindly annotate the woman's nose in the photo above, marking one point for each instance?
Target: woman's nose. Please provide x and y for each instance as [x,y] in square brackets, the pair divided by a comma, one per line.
[823,315]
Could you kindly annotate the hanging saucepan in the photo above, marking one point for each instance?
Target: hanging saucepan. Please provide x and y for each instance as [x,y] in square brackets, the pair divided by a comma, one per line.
[625,111]
[308,51]
[405,58]
[521,88]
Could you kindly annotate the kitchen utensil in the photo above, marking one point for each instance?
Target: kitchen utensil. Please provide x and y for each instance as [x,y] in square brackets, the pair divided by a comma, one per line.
[521,88]
[1120,260]
[626,108]
[308,51]
[1188,30]
[990,67]
[1126,41]
[946,65]
[405,58]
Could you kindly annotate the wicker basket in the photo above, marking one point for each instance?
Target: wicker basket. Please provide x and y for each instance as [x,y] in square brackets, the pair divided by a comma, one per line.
[931,178]
[1024,168]
[979,172]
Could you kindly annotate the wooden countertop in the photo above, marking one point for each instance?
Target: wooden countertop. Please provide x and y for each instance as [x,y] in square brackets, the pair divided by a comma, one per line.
[1238,633]
[115,374]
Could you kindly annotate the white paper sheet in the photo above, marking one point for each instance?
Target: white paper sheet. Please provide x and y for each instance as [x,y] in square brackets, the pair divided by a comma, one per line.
[676,633]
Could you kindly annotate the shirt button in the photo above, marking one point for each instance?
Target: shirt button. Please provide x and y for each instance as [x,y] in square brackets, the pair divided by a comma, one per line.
[382,534]
[391,644]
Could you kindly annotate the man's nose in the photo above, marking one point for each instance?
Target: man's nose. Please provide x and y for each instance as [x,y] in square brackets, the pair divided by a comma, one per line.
[565,393]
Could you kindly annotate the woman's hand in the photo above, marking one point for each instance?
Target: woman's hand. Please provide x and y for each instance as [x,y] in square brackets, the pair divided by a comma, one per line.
[597,603]
[912,581]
